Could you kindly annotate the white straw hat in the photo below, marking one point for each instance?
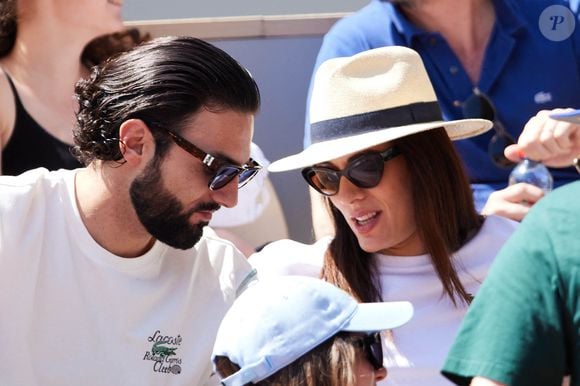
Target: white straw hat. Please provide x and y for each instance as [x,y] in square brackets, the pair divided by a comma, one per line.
[276,321]
[370,98]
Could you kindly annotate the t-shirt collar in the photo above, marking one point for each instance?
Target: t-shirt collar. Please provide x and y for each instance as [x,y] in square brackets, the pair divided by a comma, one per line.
[508,16]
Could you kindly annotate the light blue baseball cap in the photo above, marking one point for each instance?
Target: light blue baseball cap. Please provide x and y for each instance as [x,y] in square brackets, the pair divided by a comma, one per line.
[276,321]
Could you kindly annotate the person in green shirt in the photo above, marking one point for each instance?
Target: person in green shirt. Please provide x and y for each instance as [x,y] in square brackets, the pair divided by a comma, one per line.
[523,328]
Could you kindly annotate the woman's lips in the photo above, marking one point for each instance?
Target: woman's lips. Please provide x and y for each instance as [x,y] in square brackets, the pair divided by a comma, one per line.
[365,222]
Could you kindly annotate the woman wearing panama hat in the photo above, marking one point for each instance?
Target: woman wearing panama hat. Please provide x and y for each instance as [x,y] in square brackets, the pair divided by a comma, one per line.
[405,223]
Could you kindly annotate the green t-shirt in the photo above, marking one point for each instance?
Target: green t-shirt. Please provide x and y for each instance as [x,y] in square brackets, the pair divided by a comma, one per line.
[523,328]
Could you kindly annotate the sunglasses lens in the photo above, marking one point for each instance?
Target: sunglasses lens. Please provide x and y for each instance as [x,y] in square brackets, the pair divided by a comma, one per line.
[372,346]
[496,148]
[223,176]
[375,350]
[246,175]
[325,181]
[366,171]
[478,106]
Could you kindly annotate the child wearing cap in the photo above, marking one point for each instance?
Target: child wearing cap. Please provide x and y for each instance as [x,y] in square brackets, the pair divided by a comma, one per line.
[303,331]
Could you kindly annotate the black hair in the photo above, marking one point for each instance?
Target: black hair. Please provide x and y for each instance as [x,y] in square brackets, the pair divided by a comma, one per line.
[162,82]
[7,26]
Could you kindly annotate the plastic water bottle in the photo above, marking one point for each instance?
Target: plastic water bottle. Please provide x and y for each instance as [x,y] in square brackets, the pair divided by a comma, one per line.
[532,172]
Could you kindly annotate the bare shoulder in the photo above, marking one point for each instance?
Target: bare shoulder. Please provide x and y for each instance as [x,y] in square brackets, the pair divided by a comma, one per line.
[7,109]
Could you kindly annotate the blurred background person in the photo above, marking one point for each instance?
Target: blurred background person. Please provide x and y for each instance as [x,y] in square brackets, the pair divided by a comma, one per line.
[46,46]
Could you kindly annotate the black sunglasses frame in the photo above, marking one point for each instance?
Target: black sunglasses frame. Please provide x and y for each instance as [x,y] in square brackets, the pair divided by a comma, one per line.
[372,346]
[479,105]
[386,155]
[223,171]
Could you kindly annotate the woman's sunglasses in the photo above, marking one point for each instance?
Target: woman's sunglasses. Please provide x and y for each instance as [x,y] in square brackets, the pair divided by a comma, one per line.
[364,171]
[222,171]
[478,105]
[372,346]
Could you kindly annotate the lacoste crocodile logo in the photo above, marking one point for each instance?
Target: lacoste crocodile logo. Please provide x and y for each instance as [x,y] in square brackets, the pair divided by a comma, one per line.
[163,353]
[157,349]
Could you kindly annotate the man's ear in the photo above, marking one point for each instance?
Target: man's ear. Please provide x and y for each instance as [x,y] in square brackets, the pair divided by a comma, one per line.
[135,141]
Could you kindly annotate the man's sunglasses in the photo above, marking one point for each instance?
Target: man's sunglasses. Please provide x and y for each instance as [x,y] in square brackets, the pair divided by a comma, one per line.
[364,171]
[372,346]
[223,172]
[478,105]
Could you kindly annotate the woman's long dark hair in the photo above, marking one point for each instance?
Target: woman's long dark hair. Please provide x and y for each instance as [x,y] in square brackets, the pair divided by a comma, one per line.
[444,213]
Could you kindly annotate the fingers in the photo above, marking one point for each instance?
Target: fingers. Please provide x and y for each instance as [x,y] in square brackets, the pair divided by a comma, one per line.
[513,202]
[553,142]
[512,152]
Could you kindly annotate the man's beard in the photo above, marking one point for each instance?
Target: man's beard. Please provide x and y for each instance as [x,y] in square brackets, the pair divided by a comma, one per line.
[161,213]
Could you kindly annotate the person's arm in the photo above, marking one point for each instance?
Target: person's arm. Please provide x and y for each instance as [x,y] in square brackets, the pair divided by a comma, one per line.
[7,113]
[555,143]
[1,147]
[513,331]
[513,202]
[481,381]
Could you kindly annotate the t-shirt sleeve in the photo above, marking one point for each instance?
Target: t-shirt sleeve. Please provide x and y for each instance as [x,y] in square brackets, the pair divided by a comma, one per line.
[512,331]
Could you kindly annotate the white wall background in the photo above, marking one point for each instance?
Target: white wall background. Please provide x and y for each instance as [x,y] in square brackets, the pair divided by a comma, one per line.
[282,69]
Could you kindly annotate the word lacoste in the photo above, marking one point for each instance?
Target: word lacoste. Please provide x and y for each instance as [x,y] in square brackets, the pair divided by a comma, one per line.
[164,353]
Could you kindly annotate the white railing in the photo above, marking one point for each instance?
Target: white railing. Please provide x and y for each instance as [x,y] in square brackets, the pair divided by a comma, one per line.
[241,26]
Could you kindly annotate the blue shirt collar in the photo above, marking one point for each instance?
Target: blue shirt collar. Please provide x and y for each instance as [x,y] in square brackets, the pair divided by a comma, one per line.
[508,19]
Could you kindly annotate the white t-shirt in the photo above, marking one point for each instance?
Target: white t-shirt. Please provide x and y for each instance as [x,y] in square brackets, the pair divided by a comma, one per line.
[71,313]
[416,354]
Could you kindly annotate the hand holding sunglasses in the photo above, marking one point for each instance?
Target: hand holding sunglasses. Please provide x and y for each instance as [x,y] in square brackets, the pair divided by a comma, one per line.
[364,171]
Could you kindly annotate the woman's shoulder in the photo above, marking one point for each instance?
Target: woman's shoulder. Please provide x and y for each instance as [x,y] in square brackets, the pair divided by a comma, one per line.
[7,108]
[488,241]
[289,257]
[499,226]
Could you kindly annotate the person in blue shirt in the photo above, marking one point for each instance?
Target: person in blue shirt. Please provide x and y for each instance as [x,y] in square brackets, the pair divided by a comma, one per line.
[503,54]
